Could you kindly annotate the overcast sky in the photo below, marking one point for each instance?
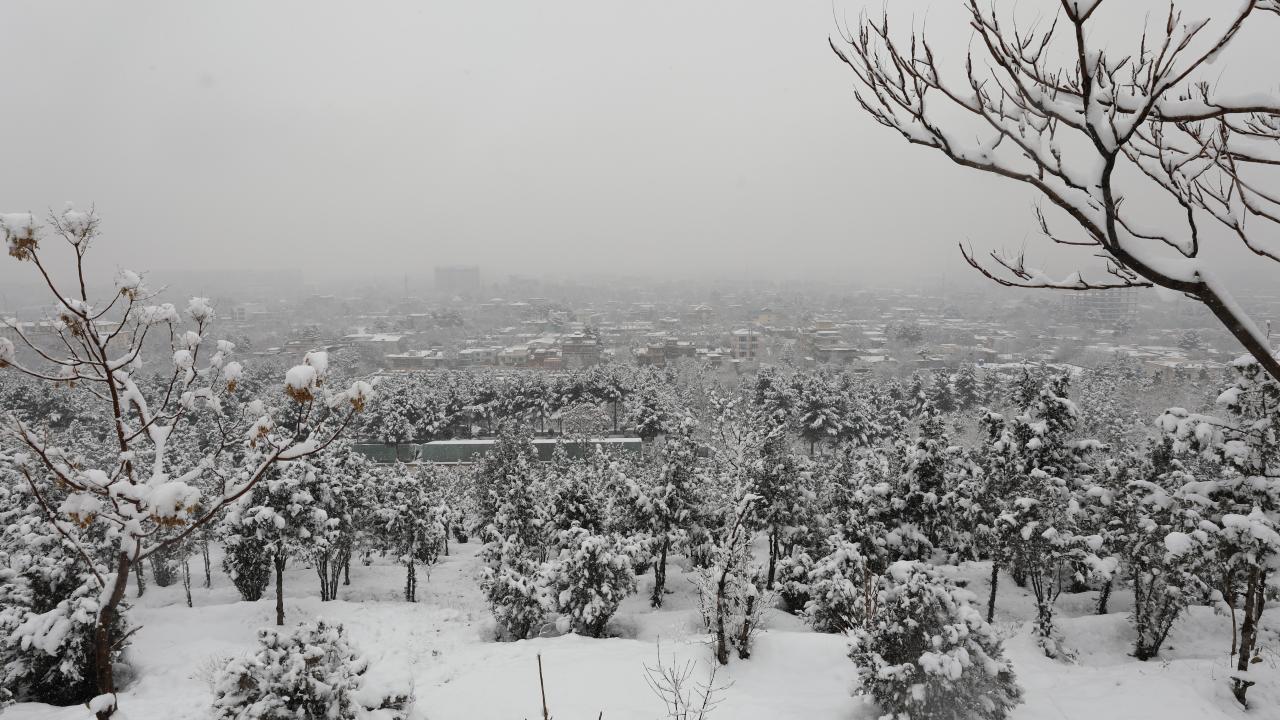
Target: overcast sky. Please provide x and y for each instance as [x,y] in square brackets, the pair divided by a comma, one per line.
[562,135]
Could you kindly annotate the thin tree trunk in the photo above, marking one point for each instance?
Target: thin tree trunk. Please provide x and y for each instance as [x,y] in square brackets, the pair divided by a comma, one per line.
[1254,600]
[1103,597]
[141,579]
[722,648]
[744,637]
[208,576]
[279,562]
[660,574]
[995,583]
[773,558]
[103,671]
[186,579]
[410,583]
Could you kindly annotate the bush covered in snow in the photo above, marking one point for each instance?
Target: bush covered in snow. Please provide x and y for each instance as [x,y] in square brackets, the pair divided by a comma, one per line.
[840,589]
[312,673]
[511,584]
[588,581]
[247,558]
[793,581]
[48,609]
[926,652]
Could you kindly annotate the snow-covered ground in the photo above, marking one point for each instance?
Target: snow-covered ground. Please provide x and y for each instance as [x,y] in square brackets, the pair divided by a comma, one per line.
[442,646]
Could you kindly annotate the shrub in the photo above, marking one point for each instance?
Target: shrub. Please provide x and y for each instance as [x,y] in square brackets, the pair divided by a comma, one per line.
[588,581]
[510,584]
[793,581]
[926,652]
[308,674]
[840,588]
[248,562]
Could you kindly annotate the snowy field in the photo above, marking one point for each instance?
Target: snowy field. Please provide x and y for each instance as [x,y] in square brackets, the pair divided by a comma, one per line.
[442,646]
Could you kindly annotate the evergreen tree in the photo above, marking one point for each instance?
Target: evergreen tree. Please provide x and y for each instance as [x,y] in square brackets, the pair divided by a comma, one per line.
[409,522]
[968,394]
[669,501]
[942,395]
[588,581]
[927,653]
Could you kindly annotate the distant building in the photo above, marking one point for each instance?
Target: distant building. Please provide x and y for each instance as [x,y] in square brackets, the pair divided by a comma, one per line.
[415,360]
[461,280]
[1100,307]
[744,344]
[579,350]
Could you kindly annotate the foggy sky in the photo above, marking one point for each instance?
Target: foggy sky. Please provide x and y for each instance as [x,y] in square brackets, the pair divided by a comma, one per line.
[365,138]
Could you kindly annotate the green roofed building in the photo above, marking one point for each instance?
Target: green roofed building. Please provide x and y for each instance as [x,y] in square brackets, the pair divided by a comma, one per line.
[470,451]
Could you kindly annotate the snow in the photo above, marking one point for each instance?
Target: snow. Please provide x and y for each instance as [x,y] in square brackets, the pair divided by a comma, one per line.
[300,378]
[18,226]
[441,647]
[199,309]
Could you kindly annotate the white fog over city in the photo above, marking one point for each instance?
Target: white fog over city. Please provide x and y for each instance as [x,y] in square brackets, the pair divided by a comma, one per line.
[593,360]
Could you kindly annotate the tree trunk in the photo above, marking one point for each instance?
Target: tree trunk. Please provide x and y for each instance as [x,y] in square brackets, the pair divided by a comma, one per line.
[103,671]
[660,574]
[995,583]
[208,576]
[773,558]
[1103,597]
[410,583]
[1254,601]
[279,562]
[186,579]
[744,637]
[141,579]
[722,647]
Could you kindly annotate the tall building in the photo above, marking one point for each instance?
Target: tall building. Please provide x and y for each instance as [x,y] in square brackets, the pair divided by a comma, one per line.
[744,344]
[458,280]
[1100,306]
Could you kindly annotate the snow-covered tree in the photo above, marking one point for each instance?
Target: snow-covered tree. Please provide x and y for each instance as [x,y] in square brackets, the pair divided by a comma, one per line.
[968,392]
[408,522]
[841,589]
[793,581]
[310,673]
[1241,505]
[1135,106]
[669,499]
[942,394]
[589,579]
[926,652]
[777,479]
[511,512]
[729,594]
[135,488]
[48,604]
[1157,543]
[1039,532]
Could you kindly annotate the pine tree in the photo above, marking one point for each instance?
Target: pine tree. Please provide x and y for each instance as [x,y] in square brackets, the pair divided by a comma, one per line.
[841,589]
[1244,500]
[510,509]
[588,581]
[409,523]
[967,392]
[776,479]
[942,395]
[927,653]
[669,500]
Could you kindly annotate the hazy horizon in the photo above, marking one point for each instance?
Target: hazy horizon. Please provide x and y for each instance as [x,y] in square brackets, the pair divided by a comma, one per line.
[325,140]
